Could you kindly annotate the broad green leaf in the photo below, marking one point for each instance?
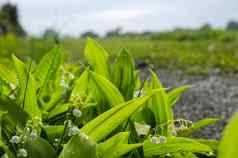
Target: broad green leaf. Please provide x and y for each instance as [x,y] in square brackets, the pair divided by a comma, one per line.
[197,126]
[120,138]
[48,66]
[159,105]
[107,89]
[27,85]
[59,109]
[22,76]
[79,146]
[229,142]
[31,105]
[81,85]
[183,155]
[123,74]
[53,131]
[175,145]
[104,124]
[175,94]
[145,116]
[213,144]
[55,98]
[97,57]
[40,148]
[116,146]
[83,94]
[15,114]
[7,75]
[137,80]
[125,148]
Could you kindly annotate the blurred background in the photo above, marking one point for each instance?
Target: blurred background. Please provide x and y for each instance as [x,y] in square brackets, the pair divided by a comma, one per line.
[188,42]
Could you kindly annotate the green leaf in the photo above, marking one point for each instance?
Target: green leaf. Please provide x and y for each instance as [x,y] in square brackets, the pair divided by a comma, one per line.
[229,142]
[8,153]
[55,98]
[197,126]
[21,76]
[183,155]
[116,146]
[120,138]
[48,66]
[123,74]
[7,75]
[137,80]
[104,124]
[145,116]
[40,148]
[53,131]
[80,85]
[15,114]
[175,145]
[59,109]
[175,94]
[97,57]
[159,105]
[27,87]
[79,146]
[107,89]
[213,144]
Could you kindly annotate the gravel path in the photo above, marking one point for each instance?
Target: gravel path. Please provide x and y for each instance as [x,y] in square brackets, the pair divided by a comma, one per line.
[211,96]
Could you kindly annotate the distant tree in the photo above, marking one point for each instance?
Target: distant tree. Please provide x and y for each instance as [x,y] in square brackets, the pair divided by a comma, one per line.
[232,25]
[115,32]
[205,27]
[146,33]
[89,34]
[182,29]
[9,20]
[51,33]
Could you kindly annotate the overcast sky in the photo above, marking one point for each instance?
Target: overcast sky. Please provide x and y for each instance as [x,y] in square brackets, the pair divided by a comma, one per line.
[75,16]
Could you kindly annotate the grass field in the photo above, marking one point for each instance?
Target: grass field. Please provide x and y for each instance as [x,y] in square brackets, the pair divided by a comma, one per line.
[191,56]
[194,56]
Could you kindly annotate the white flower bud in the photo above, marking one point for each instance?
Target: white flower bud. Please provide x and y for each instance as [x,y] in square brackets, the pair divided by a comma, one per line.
[68,123]
[142,129]
[12,86]
[64,84]
[15,139]
[154,140]
[77,113]
[168,154]
[158,140]
[22,152]
[56,140]
[12,96]
[162,139]
[33,135]
[73,131]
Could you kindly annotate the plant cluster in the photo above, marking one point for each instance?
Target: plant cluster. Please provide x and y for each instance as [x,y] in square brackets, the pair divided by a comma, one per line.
[96,109]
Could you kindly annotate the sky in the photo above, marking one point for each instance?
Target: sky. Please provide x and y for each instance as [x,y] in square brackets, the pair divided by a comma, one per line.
[76,16]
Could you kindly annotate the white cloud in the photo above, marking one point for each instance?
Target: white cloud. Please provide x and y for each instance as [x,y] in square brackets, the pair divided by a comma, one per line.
[123,14]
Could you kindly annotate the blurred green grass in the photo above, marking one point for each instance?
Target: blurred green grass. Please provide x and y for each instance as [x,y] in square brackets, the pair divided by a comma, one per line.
[192,56]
